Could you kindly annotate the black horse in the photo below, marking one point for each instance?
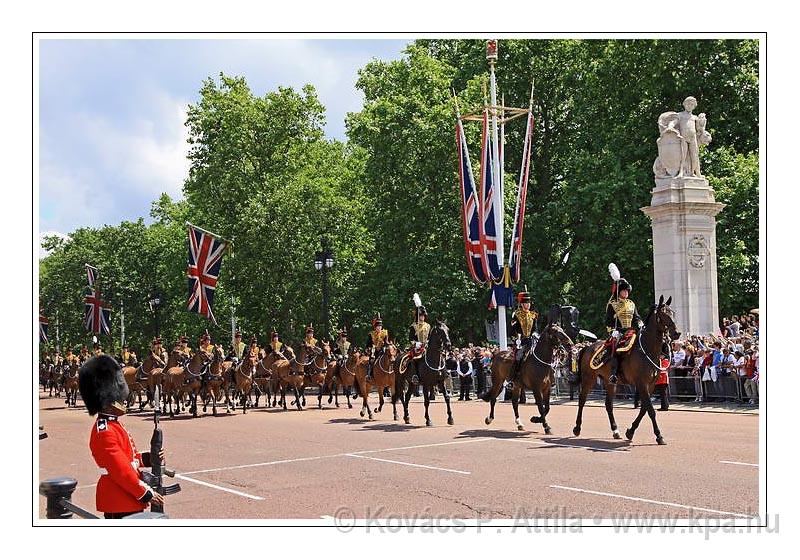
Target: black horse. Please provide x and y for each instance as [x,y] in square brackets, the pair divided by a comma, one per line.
[430,372]
[535,373]
[638,367]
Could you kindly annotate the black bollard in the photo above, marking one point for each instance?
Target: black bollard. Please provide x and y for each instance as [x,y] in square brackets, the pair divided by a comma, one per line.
[54,490]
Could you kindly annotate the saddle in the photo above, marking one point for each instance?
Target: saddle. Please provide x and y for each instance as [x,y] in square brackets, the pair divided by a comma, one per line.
[603,354]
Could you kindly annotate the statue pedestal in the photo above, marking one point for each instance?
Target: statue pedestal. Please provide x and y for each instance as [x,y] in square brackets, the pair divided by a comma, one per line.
[683,214]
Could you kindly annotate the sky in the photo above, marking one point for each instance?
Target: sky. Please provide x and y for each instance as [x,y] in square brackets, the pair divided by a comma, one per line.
[111,129]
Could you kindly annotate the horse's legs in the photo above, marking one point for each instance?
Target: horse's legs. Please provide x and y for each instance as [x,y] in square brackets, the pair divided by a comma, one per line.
[446,395]
[297,397]
[380,399]
[515,404]
[642,411]
[542,399]
[652,413]
[426,391]
[491,396]
[406,399]
[586,383]
[611,390]
[319,397]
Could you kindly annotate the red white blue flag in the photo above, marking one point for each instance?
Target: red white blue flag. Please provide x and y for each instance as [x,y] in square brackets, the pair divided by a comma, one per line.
[97,317]
[470,210]
[43,324]
[205,260]
[514,256]
[490,236]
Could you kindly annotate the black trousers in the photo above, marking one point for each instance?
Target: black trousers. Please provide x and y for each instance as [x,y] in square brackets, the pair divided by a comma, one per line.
[662,391]
[119,515]
[465,383]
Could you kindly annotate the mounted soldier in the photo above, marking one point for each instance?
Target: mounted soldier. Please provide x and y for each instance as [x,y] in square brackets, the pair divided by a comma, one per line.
[126,357]
[523,329]
[376,340]
[275,345]
[254,348]
[237,348]
[204,343]
[182,348]
[622,320]
[309,340]
[84,354]
[418,335]
[342,349]
[97,350]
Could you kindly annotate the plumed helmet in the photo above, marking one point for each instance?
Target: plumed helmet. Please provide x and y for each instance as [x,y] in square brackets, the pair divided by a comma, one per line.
[101,383]
[253,339]
[184,339]
[343,332]
[274,334]
[310,328]
[377,320]
[237,334]
[205,337]
[523,297]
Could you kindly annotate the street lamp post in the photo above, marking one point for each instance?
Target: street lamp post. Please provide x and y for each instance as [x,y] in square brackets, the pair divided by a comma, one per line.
[323,261]
[155,303]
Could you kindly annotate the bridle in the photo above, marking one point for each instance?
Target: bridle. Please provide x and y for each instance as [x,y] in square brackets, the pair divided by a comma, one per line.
[663,339]
[441,354]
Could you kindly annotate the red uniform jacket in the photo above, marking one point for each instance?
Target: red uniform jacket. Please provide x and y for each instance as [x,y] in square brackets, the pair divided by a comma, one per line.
[663,378]
[120,488]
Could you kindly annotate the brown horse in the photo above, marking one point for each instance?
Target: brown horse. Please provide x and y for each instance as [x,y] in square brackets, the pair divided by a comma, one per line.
[182,380]
[150,373]
[134,381]
[383,376]
[216,381]
[535,374]
[70,369]
[333,377]
[295,376]
[346,374]
[638,367]
[430,373]
[318,370]
[243,378]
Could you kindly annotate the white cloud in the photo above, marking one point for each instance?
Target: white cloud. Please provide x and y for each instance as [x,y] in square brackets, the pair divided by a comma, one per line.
[43,234]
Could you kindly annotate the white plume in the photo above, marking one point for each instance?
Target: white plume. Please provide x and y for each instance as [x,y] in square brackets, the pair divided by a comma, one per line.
[94,339]
[417,301]
[614,271]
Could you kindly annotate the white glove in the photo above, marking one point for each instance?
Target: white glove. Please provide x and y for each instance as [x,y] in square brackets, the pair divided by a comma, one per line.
[417,345]
[616,334]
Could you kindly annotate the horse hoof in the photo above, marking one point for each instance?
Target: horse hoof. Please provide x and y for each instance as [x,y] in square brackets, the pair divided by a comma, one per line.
[362,414]
[450,422]
[407,420]
[349,406]
[547,430]
[375,410]
[520,427]
[660,441]
[428,423]
[487,420]
[576,431]
[394,417]
[629,434]
[616,435]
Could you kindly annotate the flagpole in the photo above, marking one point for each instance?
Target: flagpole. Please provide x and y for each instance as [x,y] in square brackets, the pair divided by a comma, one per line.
[58,338]
[498,200]
[121,324]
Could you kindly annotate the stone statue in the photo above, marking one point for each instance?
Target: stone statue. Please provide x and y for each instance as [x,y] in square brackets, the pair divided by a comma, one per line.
[681,134]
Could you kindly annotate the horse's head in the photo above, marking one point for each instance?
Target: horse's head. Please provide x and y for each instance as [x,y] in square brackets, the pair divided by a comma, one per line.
[219,353]
[326,349]
[664,318]
[203,355]
[553,333]
[440,335]
[391,350]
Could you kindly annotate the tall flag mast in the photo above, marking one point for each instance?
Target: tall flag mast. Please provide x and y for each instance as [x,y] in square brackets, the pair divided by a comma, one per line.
[487,204]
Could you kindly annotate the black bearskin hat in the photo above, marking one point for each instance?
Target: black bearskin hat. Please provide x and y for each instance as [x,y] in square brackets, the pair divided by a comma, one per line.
[101,383]
[622,284]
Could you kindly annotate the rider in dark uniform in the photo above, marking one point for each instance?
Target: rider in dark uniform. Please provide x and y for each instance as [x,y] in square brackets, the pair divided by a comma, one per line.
[418,335]
[376,340]
[523,327]
[622,322]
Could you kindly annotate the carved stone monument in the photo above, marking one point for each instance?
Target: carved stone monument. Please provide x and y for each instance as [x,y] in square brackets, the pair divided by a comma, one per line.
[683,214]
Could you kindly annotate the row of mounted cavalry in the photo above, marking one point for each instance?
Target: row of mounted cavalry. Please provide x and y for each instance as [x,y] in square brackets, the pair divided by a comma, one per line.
[209,378]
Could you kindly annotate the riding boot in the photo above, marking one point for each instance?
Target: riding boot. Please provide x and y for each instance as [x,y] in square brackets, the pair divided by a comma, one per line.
[369,372]
[614,365]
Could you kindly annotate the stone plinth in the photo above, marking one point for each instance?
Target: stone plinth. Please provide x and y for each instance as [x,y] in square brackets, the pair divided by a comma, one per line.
[683,214]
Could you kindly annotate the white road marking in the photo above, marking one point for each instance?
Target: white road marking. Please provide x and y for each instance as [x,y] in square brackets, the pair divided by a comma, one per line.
[314,458]
[738,463]
[407,464]
[635,499]
[216,487]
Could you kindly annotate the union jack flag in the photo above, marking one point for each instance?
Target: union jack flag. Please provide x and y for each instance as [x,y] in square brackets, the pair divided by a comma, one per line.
[43,324]
[91,275]
[514,257]
[490,236]
[97,317]
[205,261]
[470,210]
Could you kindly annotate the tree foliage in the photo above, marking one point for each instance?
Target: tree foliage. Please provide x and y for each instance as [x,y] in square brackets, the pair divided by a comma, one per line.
[263,174]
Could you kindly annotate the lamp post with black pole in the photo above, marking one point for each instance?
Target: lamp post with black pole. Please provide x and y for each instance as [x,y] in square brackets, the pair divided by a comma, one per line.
[155,303]
[323,261]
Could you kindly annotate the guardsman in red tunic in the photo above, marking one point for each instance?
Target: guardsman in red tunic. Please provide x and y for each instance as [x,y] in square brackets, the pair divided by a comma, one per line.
[120,490]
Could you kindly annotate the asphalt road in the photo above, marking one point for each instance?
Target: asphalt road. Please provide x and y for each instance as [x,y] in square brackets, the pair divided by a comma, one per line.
[318,464]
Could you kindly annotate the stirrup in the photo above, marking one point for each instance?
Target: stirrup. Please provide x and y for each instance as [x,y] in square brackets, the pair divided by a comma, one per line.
[415,378]
[509,385]
[613,378]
